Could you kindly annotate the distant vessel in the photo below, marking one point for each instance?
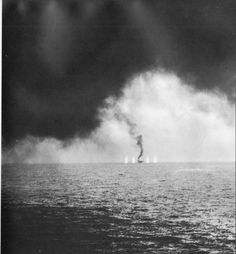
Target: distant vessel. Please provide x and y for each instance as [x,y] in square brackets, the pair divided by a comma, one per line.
[126,159]
[147,160]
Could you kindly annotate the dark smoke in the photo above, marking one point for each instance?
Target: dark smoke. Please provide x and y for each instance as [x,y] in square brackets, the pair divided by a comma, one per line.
[133,129]
[61,59]
[140,144]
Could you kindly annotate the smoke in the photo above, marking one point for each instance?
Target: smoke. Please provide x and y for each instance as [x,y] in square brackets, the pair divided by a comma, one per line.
[140,144]
[117,113]
[179,123]
[62,59]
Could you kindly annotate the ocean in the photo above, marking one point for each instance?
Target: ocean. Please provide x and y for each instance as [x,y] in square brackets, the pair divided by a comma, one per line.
[118,208]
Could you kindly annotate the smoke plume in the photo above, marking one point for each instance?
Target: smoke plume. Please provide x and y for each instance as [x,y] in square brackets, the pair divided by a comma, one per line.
[140,144]
[117,112]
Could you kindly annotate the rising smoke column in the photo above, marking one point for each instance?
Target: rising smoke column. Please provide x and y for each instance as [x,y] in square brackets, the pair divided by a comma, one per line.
[117,113]
[133,133]
[140,144]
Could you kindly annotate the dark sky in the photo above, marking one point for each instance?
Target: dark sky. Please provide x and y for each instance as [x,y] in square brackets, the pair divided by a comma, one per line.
[61,59]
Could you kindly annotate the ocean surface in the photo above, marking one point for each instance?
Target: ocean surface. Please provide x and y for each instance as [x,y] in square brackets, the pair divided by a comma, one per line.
[118,208]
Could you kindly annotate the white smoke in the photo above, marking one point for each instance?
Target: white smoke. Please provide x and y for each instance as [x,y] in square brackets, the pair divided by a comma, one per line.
[177,122]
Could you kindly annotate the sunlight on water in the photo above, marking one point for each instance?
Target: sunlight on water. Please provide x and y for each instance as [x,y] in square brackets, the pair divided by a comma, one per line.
[119,208]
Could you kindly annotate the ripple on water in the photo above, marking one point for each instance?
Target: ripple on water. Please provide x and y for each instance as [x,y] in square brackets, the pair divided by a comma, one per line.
[117,208]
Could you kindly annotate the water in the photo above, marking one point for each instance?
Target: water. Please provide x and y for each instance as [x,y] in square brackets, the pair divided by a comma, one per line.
[118,208]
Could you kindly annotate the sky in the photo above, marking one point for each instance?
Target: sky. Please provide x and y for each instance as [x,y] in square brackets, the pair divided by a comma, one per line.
[82,78]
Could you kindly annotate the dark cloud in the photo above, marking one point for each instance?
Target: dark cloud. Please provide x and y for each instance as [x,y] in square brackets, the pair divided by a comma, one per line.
[61,59]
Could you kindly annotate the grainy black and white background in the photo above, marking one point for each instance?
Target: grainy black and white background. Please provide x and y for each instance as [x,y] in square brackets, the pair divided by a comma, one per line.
[82,80]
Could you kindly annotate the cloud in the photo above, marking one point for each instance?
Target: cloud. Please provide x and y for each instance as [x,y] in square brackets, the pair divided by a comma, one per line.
[177,122]
[62,59]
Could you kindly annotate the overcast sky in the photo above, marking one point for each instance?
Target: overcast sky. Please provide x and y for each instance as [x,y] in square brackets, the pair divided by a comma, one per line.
[77,73]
